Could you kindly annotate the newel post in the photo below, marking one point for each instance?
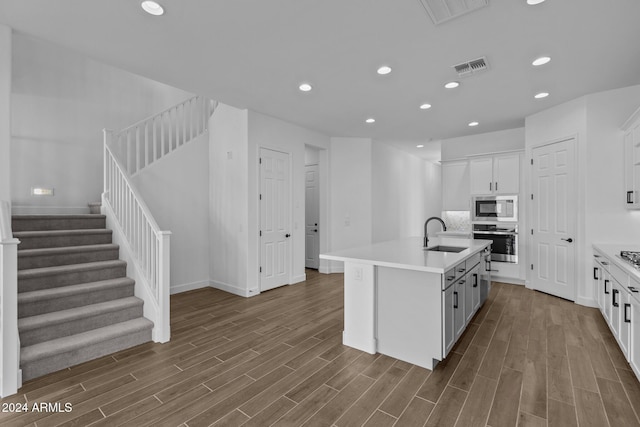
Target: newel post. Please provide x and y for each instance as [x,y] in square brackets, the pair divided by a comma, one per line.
[163,323]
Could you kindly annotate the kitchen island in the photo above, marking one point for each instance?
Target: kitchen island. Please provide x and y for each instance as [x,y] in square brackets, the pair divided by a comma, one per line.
[410,303]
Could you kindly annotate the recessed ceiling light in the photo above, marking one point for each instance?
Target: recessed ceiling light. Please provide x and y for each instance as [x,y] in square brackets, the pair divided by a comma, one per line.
[385,69]
[305,87]
[541,95]
[420,146]
[370,120]
[540,61]
[452,85]
[425,106]
[152,8]
[472,124]
[534,2]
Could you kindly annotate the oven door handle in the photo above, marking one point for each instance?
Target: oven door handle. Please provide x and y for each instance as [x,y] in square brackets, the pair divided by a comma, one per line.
[498,233]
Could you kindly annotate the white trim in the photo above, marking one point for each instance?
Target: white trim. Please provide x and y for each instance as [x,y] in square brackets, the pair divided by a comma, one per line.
[298,279]
[232,289]
[510,280]
[184,287]
[49,210]
[587,302]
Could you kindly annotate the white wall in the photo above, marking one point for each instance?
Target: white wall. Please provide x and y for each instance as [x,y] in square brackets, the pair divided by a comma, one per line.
[176,190]
[276,134]
[483,143]
[228,200]
[351,192]
[311,155]
[5,113]
[406,190]
[61,101]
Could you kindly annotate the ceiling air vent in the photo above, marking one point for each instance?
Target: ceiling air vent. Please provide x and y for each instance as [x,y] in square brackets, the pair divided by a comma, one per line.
[471,67]
[443,10]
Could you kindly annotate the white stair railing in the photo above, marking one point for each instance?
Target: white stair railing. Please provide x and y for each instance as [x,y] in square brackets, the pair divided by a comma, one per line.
[143,245]
[148,140]
[10,378]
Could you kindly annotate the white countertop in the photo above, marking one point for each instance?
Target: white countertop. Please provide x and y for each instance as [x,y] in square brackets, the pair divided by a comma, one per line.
[612,251]
[408,253]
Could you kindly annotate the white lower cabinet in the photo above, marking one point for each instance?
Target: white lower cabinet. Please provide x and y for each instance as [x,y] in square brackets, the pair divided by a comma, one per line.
[618,296]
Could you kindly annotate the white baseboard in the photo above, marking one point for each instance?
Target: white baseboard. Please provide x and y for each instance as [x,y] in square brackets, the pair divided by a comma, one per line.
[230,288]
[184,287]
[49,210]
[298,279]
[587,302]
[511,280]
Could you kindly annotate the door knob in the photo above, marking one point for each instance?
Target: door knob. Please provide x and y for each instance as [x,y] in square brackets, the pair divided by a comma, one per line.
[568,240]
[287,235]
[315,231]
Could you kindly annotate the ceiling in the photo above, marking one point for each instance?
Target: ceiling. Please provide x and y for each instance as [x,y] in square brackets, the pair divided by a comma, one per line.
[254,54]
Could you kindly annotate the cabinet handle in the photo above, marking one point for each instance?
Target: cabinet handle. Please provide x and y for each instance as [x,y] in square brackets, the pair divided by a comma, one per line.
[627,319]
[475,280]
[451,277]
[605,263]
[496,185]
[461,282]
[455,303]
[613,300]
[605,286]
[629,196]
[461,270]
[634,290]
[595,273]
[490,186]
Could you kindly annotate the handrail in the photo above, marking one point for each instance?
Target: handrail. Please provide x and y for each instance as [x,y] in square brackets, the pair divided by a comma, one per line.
[142,238]
[9,337]
[150,139]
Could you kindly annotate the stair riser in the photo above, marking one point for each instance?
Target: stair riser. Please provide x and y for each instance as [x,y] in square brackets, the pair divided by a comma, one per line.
[54,331]
[41,261]
[30,224]
[37,242]
[50,305]
[71,278]
[54,363]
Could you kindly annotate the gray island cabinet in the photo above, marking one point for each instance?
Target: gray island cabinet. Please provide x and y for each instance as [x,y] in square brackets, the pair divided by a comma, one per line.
[410,303]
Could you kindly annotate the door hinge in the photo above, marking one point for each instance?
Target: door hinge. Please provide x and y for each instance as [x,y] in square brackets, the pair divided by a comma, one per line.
[260,233]
[531,161]
[532,231]
[532,266]
[531,196]
[260,196]
[260,269]
[260,160]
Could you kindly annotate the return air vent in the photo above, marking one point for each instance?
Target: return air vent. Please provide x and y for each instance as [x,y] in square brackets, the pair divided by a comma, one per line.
[443,10]
[470,67]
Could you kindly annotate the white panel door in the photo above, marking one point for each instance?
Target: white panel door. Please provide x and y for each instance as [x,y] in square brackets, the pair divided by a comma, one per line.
[554,219]
[312,217]
[274,219]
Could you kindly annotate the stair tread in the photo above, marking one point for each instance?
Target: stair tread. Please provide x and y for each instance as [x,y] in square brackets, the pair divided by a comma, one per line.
[58,216]
[66,250]
[63,316]
[74,342]
[71,268]
[67,291]
[44,233]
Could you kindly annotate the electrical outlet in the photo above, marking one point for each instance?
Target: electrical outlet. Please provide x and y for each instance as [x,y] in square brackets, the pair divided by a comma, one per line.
[357,274]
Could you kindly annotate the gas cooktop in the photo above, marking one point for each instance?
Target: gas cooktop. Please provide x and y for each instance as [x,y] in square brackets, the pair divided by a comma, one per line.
[631,257]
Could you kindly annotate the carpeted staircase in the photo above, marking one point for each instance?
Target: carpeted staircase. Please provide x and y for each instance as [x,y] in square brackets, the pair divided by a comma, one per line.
[75,302]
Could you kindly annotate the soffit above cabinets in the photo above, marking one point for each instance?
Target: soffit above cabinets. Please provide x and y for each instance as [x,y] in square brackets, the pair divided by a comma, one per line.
[444,10]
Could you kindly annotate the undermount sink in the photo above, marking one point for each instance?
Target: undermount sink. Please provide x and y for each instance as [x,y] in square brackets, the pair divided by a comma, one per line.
[454,249]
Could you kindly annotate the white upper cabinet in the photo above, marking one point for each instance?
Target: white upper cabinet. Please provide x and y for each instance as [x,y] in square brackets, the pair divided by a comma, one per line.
[455,186]
[632,161]
[499,174]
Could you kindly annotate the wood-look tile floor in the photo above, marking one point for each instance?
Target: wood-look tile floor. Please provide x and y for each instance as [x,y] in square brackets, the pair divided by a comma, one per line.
[527,359]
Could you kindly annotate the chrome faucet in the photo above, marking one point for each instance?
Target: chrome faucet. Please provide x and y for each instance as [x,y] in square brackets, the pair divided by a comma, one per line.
[426,238]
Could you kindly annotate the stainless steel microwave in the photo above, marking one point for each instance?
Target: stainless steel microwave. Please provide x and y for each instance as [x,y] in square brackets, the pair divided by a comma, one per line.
[495,208]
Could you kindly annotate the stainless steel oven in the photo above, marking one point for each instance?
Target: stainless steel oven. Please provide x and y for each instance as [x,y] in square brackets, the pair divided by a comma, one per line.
[505,240]
[495,208]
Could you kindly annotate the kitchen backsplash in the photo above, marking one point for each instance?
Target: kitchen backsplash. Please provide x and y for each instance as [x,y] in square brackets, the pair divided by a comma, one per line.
[457,220]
